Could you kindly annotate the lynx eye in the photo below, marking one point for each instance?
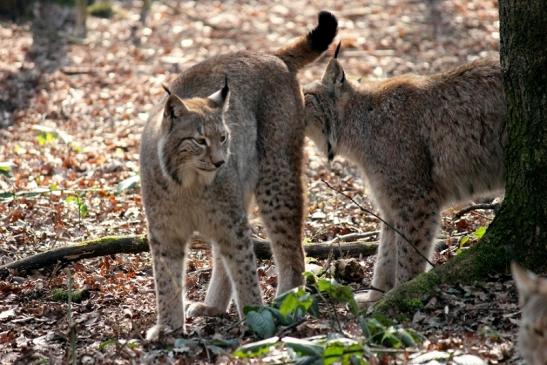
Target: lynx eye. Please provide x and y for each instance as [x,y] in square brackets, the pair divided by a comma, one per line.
[201,141]
[223,139]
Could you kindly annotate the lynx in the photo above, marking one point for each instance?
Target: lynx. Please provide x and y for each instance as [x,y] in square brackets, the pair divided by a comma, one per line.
[422,143]
[532,340]
[205,157]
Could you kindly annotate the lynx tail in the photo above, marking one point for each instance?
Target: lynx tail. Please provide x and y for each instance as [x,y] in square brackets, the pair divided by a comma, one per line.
[306,49]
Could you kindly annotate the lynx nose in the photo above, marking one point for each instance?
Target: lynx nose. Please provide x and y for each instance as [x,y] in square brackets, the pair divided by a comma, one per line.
[218,163]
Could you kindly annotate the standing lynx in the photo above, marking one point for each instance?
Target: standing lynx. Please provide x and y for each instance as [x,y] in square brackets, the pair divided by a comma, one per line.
[204,158]
[532,342]
[421,141]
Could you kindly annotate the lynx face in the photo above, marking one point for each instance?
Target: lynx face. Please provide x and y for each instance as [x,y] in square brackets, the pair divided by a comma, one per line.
[323,102]
[533,328]
[195,138]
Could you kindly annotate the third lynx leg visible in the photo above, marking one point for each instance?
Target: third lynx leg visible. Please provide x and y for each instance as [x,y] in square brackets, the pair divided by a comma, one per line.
[532,343]
[421,141]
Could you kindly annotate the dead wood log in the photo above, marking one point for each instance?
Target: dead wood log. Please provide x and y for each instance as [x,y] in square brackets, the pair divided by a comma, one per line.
[111,245]
[486,206]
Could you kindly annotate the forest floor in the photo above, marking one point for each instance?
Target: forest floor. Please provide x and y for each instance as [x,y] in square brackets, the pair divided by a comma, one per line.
[71,115]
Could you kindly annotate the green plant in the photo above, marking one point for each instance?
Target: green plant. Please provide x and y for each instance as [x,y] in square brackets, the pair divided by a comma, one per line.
[378,334]
[79,202]
[5,168]
[467,239]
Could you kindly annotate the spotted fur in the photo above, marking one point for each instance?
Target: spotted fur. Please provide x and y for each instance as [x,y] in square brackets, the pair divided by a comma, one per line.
[205,157]
[422,143]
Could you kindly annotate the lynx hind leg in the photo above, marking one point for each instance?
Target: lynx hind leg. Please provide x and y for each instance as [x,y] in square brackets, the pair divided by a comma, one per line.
[168,266]
[235,247]
[418,222]
[219,291]
[280,199]
[384,277]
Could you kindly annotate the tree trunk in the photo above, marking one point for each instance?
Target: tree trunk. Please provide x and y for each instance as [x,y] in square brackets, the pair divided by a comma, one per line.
[519,231]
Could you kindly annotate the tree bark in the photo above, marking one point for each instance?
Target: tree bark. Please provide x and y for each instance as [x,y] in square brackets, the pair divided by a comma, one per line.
[136,244]
[519,231]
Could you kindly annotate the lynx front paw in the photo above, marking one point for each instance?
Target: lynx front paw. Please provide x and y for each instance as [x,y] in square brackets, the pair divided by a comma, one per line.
[368,299]
[155,332]
[200,309]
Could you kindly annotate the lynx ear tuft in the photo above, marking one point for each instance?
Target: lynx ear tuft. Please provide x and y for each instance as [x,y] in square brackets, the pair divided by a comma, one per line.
[166,89]
[337,50]
[225,89]
[219,97]
[334,76]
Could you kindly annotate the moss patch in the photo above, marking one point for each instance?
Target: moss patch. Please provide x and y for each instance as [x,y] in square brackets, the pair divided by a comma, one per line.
[61,295]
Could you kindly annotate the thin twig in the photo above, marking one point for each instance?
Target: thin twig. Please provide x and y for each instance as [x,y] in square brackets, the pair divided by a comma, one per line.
[488,206]
[353,237]
[333,307]
[288,328]
[381,219]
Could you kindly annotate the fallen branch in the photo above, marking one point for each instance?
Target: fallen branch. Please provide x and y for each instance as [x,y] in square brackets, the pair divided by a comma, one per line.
[487,206]
[136,244]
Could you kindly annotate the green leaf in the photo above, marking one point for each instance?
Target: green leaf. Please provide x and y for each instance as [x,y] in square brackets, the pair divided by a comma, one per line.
[84,211]
[5,168]
[48,135]
[340,293]
[479,232]
[344,351]
[261,323]
[132,344]
[294,304]
[289,304]
[7,196]
[463,241]
[127,184]
[406,338]
[303,347]
[103,345]
[371,327]
[255,349]
[72,199]
[390,339]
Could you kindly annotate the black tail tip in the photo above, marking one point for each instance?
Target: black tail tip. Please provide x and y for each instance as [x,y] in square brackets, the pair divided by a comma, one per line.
[322,35]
